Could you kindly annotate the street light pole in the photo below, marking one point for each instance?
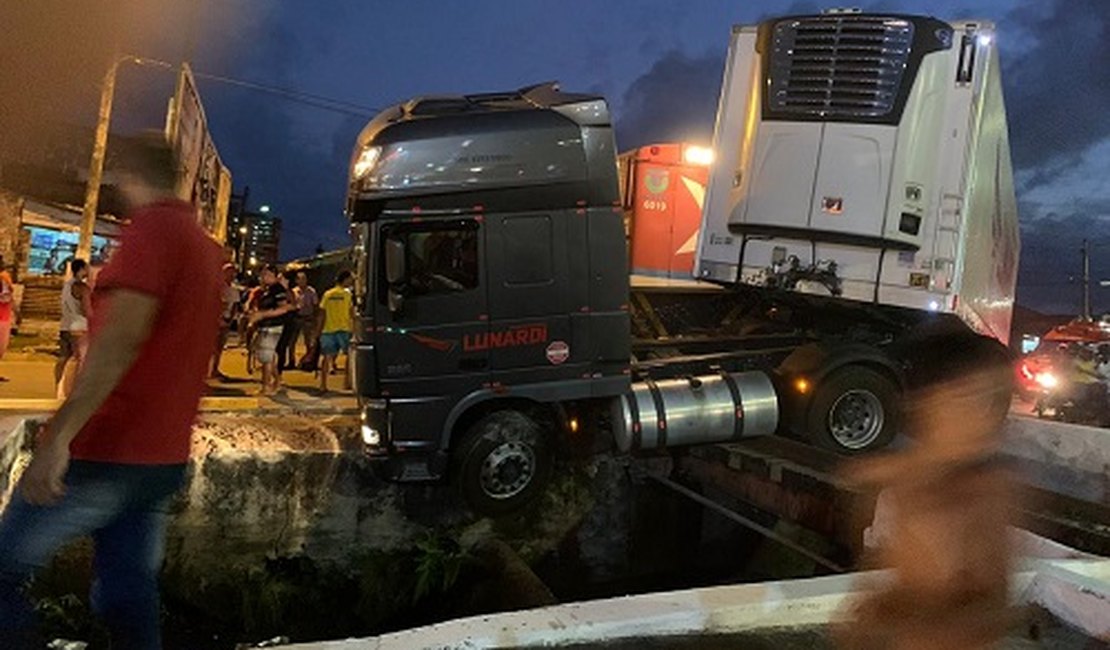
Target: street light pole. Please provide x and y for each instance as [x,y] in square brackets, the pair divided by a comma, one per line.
[1086,279]
[100,149]
[96,164]
[243,249]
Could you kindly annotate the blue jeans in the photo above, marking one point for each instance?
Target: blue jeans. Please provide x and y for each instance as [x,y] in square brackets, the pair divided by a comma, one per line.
[124,508]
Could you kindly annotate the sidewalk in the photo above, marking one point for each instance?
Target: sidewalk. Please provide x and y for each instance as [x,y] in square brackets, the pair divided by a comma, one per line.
[29,368]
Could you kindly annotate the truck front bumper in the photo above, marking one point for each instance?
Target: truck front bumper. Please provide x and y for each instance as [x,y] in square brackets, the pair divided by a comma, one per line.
[397,460]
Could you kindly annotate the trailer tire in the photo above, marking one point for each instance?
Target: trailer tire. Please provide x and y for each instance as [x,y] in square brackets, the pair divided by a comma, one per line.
[502,462]
[854,410]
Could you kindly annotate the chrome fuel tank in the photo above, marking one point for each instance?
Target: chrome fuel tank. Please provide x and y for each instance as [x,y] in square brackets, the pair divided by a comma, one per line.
[695,410]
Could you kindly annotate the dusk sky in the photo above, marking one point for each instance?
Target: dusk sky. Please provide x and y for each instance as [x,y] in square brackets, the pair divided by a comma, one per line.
[659,62]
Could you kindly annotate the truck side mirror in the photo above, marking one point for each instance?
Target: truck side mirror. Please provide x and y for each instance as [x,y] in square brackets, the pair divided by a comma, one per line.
[394,261]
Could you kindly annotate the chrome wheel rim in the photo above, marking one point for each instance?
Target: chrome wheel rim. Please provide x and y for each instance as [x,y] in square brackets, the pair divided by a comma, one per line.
[856,419]
[508,470]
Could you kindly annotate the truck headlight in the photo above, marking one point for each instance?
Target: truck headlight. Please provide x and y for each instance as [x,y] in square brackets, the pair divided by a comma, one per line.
[365,162]
[374,425]
[371,436]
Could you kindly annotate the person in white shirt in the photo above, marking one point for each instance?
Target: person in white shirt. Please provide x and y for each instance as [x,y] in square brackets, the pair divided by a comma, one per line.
[73,329]
[308,306]
[229,298]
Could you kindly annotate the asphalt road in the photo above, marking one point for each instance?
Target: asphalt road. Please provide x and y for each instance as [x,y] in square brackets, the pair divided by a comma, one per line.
[30,375]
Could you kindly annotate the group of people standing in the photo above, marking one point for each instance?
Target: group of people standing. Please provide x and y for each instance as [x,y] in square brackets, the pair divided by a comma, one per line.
[279,311]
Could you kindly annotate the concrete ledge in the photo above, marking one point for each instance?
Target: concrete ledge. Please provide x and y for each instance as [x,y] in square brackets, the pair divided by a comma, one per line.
[13,434]
[1076,591]
[715,610]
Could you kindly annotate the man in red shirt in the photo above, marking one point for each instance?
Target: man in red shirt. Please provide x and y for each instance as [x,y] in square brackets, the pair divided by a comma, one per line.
[114,455]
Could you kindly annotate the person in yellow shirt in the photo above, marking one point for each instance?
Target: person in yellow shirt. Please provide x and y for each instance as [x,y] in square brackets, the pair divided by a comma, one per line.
[337,305]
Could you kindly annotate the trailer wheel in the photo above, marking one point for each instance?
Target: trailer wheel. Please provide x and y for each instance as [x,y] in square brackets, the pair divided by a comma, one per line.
[502,462]
[854,410]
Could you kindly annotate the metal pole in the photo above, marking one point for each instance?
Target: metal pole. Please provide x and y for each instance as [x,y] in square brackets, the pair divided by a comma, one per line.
[243,230]
[747,523]
[1086,280]
[96,164]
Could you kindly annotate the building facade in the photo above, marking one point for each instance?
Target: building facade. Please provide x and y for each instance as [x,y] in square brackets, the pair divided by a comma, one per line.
[262,240]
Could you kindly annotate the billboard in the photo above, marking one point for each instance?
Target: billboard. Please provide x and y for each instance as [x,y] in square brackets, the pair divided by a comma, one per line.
[201,175]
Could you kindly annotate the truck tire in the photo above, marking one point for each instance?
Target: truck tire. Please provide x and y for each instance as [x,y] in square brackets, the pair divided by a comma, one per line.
[855,410]
[502,463]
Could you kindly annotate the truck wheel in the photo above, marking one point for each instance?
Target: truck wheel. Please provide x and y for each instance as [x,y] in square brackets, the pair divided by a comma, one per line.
[502,463]
[854,410]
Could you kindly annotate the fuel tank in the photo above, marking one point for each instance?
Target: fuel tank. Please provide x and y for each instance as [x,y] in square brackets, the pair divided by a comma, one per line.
[695,410]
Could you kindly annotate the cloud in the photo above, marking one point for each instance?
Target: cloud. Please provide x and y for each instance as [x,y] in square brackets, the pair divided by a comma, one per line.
[1056,89]
[676,100]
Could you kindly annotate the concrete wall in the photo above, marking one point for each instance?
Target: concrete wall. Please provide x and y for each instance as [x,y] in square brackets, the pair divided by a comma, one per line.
[280,504]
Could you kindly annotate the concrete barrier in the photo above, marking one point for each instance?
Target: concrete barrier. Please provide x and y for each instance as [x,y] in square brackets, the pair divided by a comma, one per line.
[1068,459]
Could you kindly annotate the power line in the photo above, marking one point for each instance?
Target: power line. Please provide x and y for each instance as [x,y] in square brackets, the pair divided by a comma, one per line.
[310,99]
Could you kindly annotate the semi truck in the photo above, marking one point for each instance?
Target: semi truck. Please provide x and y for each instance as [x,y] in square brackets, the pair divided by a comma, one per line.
[861,192]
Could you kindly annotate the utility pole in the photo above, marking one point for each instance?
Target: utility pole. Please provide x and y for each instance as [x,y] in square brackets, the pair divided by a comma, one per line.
[1086,250]
[96,164]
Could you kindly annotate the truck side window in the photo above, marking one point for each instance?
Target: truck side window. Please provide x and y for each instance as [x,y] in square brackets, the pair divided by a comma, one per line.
[441,259]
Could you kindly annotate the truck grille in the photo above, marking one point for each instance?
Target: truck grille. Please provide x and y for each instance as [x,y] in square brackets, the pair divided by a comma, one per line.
[838,66]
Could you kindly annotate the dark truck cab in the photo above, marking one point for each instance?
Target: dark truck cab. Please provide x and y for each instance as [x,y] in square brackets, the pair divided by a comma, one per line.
[492,283]
[855,205]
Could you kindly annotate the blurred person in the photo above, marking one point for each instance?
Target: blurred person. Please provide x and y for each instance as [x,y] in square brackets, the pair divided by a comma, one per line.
[110,460]
[308,305]
[290,328]
[73,328]
[941,520]
[247,330]
[1084,375]
[269,319]
[1103,357]
[229,299]
[7,309]
[337,305]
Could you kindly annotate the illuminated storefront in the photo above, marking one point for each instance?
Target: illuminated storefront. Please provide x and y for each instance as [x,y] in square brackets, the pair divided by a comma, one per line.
[50,250]
[50,236]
